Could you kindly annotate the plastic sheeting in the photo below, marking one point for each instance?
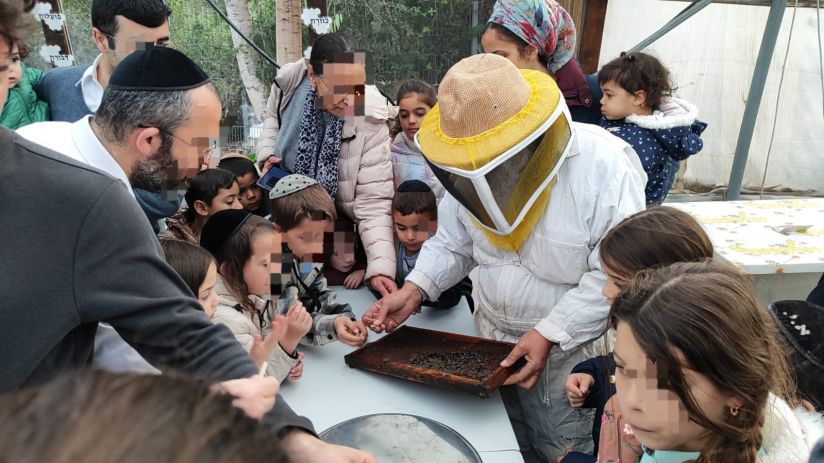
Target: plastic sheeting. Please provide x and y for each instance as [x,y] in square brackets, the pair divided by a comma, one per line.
[712,57]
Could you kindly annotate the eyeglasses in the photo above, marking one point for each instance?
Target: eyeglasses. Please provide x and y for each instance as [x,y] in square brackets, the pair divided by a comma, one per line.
[161,42]
[211,153]
[356,90]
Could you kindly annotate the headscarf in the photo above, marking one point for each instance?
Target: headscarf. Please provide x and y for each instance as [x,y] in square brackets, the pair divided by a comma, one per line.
[544,24]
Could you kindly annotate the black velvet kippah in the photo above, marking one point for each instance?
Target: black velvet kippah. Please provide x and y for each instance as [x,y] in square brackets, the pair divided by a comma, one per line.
[801,323]
[220,227]
[157,69]
[416,186]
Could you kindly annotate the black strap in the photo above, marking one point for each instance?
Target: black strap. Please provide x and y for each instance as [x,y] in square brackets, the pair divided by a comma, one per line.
[315,301]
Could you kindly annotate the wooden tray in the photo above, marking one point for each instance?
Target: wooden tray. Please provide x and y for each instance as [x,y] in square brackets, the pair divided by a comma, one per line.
[445,360]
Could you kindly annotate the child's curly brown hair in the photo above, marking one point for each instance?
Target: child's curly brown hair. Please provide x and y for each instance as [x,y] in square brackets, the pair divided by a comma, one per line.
[639,71]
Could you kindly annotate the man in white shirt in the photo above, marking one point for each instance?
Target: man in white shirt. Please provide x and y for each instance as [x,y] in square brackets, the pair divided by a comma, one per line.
[119,27]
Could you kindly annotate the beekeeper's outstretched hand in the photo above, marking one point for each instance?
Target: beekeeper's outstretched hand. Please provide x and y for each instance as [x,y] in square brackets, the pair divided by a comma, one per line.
[391,311]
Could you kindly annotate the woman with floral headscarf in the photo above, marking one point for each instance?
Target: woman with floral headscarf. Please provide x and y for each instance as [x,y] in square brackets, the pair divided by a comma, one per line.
[540,35]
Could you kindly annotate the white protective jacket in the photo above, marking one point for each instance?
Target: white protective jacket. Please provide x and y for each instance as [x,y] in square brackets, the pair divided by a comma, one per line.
[554,283]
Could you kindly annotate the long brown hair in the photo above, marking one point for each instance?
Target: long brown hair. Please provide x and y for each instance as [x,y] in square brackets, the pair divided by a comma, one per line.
[233,254]
[704,317]
[654,237]
[97,417]
[191,262]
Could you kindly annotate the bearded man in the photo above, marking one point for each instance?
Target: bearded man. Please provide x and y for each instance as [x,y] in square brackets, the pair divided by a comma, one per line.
[153,127]
[156,127]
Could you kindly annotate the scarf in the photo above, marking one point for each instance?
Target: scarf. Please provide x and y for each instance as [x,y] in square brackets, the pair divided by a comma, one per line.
[319,145]
[547,26]
[543,24]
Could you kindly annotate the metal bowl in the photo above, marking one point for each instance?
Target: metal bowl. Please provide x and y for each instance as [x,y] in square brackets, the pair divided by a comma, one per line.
[400,438]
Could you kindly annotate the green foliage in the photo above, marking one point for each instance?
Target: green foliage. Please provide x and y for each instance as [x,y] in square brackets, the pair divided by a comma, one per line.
[200,33]
[410,38]
[262,13]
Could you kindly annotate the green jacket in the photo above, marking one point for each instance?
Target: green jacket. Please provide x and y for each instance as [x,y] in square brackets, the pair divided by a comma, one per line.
[22,106]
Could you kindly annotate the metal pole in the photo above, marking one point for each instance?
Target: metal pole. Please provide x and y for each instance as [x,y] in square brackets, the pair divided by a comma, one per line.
[684,15]
[759,79]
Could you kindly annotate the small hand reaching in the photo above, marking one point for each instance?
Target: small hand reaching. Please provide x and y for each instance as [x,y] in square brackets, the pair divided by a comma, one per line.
[384,285]
[299,323]
[268,163]
[297,371]
[349,331]
[261,348]
[354,279]
[578,386]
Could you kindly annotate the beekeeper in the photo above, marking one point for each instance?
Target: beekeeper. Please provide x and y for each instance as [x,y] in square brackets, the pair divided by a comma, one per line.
[530,196]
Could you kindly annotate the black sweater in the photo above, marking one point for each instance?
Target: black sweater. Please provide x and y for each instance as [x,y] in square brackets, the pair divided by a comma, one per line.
[600,368]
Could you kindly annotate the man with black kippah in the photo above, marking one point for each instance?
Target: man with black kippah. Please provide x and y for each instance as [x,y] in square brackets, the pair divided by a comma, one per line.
[119,27]
[77,249]
[157,124]
[158,119]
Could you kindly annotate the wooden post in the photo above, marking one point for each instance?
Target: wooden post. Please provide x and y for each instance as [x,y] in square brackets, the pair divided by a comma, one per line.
[576,9]
[590,35]
[55,32]
[288,33]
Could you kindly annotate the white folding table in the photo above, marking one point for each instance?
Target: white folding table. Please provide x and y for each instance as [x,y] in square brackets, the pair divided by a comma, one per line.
[748,234]
[330,392]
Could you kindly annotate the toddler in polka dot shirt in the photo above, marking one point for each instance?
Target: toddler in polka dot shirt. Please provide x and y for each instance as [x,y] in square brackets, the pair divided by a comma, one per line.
[637,106]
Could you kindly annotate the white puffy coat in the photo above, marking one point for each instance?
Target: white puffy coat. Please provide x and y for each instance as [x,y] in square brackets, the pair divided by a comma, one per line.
[554,283]
[789,434]
[245,327]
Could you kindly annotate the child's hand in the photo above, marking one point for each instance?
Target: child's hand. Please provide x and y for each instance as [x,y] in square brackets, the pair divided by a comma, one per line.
[255,395]
[354,279]
[297,371]
[261,348]
[350,332]
[578,386]
[384,285]
[299,323]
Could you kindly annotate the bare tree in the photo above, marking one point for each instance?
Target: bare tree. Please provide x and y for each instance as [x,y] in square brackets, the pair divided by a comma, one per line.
[238,12]
[288,31]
